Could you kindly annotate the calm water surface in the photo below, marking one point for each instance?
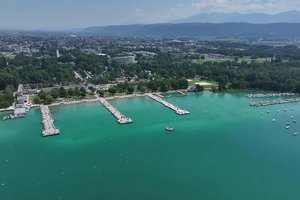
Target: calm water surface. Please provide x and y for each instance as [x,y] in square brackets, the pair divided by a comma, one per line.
[224,150]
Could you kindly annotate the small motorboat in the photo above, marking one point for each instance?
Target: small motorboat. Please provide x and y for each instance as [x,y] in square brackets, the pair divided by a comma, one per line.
[288,123]
[287,127]
[295,133]
[273,120]
[169,128]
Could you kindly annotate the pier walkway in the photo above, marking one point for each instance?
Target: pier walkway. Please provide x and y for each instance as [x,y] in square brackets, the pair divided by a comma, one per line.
[48,122]
[169,105]
[120,117]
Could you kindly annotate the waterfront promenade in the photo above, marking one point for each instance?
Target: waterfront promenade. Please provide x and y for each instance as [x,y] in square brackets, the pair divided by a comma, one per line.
[169,105]
[120,117]
[48,122]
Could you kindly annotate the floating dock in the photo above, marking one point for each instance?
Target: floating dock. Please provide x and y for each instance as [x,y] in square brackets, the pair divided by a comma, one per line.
[48,122]
[276,102]
[169,105]
[120,117]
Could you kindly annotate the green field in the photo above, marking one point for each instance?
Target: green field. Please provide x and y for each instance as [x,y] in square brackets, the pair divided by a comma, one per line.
[210,84]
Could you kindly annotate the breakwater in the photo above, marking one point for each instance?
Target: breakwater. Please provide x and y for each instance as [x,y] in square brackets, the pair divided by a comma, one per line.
[169,105]
[275,102]
[120,117]
[269,95]
[48,122]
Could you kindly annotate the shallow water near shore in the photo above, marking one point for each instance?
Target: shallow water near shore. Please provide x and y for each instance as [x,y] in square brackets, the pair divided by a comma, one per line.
[224,149]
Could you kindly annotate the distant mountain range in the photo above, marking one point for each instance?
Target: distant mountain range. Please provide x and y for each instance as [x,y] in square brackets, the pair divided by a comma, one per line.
[256,18]
[212,30]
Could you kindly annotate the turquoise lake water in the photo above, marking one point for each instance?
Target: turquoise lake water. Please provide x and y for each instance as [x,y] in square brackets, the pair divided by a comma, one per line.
[224,149]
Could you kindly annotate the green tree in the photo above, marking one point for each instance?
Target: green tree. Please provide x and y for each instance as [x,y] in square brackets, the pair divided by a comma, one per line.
[112,90]
[62,92]
[55,93]
[101,93]
[48,99]
[143,89]
[130,89]
[199,88]
[42,95]
[82,92]
[76,92]
[36,100]
[165,87]
[183,83]
[70,92]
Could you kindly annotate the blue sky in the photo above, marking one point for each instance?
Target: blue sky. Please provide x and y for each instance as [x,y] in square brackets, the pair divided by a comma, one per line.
[65,14]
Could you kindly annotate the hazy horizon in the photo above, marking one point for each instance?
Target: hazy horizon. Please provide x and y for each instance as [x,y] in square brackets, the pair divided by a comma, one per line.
[71,14]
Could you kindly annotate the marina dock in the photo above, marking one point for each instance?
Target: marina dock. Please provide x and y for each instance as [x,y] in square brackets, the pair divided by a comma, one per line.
[48,122]
[169,105]
[120,117]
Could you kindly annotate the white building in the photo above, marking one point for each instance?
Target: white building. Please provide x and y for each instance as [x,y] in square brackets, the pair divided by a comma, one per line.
[57,53]
[126,60]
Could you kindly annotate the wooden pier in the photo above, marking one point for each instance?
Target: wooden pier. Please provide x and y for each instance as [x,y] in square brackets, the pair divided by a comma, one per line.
[120,117]
[169,105]
[48,122]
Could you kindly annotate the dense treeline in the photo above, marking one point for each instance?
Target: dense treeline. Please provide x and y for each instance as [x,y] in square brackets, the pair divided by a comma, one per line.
[56,93]
[162,85]
[289,52]
[6,97]
[268,76]
[49,70]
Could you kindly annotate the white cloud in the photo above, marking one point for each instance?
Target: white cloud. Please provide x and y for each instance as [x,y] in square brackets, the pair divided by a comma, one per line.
[138,12]
[185,9]
[245,6]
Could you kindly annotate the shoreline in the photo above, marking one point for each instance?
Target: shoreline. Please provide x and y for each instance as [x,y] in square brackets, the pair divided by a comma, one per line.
[95,100]
[182,92]
[110,98]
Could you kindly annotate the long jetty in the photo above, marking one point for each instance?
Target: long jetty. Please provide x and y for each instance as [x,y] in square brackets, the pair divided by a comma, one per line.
[270,95]
[120,117]
[48,122]
[276,102]
[169,105]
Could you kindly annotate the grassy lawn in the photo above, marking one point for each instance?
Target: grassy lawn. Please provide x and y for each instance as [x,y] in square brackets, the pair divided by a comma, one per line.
[206,84]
